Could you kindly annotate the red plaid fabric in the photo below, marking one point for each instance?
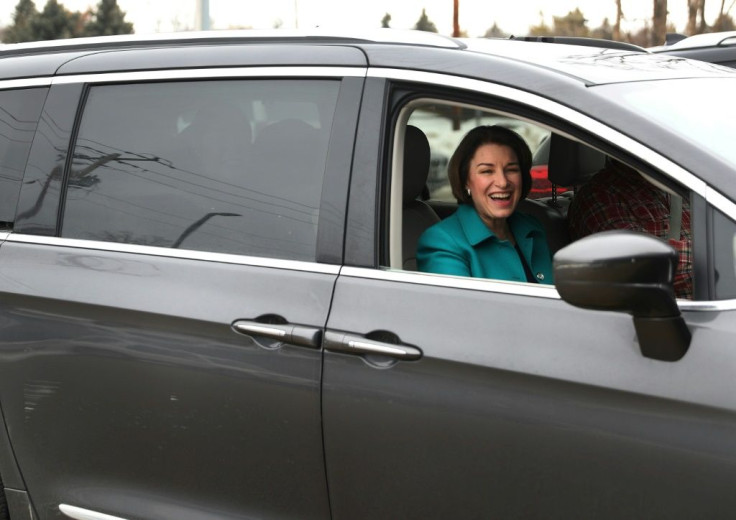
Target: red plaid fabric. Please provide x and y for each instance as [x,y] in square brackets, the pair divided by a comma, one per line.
[619,198]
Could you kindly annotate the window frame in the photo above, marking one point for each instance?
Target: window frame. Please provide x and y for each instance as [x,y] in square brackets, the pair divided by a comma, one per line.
[558,118]
[329,247]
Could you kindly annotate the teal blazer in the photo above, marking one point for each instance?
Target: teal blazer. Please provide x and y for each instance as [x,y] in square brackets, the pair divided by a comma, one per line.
[463,245]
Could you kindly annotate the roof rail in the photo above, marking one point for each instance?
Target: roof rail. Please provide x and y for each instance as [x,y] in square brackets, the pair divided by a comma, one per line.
[235,36]
[586,42]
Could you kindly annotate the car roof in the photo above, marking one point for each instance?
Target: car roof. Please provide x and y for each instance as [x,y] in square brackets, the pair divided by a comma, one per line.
[596,65]
[591,64]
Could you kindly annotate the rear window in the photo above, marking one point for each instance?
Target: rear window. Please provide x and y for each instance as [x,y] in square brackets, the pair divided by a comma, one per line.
[19,114]
[230,166]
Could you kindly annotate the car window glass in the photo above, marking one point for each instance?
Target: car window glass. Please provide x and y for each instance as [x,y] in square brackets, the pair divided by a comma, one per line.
[19,114]
[724,260]
[221,166]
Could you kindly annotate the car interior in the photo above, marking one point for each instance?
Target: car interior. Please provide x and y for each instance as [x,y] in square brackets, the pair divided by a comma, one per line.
[425,139]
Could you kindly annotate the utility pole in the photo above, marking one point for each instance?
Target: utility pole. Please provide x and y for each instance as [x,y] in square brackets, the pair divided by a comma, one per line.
[202,15]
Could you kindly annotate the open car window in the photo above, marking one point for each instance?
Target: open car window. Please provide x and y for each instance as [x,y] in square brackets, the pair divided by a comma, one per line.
[562,168]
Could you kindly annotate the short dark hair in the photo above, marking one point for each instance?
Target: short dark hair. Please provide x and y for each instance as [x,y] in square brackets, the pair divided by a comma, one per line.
[459,166]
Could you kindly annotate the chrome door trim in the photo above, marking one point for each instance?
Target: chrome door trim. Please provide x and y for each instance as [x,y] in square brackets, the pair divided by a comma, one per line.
[25,83]
[551,107]
[720,202]
[707,306]
[79,513]
[499,286]
[186,254]
[456,282]
[214,73]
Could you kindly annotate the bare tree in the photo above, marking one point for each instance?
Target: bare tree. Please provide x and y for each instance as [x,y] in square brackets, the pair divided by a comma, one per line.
[703,27]
[692,16]
[659,22]
[617,25]
[455,17]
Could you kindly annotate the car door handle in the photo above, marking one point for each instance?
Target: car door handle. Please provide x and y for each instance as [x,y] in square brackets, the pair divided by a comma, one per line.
[349,343]
[301,335]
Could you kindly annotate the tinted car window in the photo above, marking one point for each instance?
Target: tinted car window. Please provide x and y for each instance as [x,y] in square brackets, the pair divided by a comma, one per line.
[222,166]
[19,113]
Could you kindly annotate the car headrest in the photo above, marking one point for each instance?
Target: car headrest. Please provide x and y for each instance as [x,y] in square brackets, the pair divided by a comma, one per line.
[416,163]
[571,162]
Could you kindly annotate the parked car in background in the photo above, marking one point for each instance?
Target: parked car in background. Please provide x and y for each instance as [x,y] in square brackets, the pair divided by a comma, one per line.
[718,48]
[209,306]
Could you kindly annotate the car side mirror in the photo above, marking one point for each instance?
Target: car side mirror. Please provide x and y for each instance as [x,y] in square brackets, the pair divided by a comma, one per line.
[627,272]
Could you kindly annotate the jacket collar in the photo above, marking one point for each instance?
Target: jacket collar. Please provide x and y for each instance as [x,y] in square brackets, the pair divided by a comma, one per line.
[476,231]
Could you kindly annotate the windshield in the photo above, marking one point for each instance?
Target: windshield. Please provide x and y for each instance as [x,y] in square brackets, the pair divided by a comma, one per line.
[701,110]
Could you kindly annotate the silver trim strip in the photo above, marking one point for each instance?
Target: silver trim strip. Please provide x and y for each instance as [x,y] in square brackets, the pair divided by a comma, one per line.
[720,202]
[186,254]
[224,72]
[709,306]
[456,282]
[25,83]
[500,286]
[79,513]
[605,132]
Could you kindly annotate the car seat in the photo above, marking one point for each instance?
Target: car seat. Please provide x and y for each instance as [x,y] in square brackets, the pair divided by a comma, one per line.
[417,215]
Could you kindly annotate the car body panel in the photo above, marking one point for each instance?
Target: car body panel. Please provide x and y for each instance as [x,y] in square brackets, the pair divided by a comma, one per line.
[539,420]
[138,374]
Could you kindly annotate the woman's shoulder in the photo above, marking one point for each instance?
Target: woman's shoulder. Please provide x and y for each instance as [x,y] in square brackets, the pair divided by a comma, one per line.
[446,229]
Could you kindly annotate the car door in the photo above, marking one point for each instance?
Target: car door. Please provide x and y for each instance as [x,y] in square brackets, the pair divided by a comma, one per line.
[449,397]
[160,344]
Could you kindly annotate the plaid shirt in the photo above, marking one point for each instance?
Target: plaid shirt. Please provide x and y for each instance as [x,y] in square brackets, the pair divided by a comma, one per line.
[619,198]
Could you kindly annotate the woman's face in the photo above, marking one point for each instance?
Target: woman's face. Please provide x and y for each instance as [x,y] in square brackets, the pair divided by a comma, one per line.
[494,181]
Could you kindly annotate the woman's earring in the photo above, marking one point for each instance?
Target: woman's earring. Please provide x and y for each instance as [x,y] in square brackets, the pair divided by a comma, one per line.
[468,190]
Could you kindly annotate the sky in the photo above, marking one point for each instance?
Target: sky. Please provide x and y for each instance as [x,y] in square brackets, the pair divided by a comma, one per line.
[475,16]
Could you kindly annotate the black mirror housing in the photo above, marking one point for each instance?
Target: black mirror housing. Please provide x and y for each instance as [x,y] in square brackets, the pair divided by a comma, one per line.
[628,272]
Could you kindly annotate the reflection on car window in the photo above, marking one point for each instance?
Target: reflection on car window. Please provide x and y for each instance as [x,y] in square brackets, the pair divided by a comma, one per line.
[19,116]
[221,166]
[724,235]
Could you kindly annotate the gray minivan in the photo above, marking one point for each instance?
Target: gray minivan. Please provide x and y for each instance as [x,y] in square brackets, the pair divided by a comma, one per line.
[209,306]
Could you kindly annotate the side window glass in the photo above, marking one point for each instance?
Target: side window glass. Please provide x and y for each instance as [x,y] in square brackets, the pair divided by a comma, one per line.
[19,114]
[221,166]
[724,261]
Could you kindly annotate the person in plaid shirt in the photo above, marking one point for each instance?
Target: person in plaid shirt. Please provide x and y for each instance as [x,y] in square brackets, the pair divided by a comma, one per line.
[618,197]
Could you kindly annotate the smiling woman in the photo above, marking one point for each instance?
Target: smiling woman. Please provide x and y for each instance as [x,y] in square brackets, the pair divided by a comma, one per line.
[485,238]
